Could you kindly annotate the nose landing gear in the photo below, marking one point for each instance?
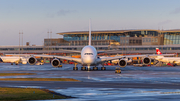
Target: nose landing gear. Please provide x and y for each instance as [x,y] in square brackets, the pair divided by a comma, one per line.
[95,68]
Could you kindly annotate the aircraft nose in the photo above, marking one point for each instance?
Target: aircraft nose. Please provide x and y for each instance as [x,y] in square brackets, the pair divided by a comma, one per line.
[89,60]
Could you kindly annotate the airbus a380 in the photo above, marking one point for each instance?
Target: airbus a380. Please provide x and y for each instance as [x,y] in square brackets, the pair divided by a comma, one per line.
[167,59]
[89,57]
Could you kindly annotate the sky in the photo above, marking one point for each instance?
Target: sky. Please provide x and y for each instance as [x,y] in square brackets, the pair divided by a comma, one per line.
[35,17]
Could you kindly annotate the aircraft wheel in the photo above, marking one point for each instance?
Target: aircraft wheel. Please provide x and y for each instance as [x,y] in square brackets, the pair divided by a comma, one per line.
[103,68]
[75,68]
[83,68]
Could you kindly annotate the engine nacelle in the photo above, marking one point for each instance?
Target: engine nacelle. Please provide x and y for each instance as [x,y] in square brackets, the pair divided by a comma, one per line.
[55,62]
[146,60]
[122,63]
[32,60]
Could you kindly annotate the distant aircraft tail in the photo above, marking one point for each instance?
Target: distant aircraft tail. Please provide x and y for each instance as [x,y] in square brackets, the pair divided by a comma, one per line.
[158,51]
[90,32]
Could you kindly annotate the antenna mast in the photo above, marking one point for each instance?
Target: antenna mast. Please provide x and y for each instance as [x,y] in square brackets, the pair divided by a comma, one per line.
[89,31]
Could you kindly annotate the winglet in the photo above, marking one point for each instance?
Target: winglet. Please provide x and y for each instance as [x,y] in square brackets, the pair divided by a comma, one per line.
[90,32]
[158,51]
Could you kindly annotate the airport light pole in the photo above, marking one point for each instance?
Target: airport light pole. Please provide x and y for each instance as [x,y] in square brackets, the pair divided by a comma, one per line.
[50,40]
[20,41]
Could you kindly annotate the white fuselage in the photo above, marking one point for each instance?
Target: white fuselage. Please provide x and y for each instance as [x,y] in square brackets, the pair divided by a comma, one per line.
[88,55]
[10,59]
[14,59]
[169,59]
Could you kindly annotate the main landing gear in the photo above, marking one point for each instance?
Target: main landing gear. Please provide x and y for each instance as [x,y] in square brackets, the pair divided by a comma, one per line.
[75,68]
[103,68]
[89,69]
[117,70]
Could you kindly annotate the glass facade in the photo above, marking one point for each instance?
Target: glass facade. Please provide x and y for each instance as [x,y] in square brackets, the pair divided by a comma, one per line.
[171,38]
[81,37]
[108,36]
[149,37]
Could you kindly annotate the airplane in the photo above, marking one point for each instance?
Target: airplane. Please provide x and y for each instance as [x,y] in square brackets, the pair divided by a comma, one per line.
[14,59]
[166,59]
[89,57]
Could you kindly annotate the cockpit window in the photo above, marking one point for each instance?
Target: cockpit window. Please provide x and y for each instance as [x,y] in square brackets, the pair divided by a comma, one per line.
[88,54]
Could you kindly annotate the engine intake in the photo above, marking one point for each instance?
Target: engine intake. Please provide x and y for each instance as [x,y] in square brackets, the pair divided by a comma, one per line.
[122,63]
[146,60]
[55,62]
[32,60]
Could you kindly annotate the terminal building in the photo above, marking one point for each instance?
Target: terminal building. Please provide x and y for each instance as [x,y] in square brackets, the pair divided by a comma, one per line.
[119,38]
[123,41]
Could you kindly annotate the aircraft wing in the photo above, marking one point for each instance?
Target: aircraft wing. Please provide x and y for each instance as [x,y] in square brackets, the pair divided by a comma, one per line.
[72,51]
[105,51]
[158,55]
[100,51]
[49,56]
[60,57]
[101,59]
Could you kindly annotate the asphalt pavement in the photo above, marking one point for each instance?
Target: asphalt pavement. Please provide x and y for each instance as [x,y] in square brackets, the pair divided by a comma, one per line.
[133,84]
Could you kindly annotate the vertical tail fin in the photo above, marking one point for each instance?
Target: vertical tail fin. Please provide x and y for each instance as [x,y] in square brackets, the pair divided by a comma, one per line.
[158,51]
[90,32]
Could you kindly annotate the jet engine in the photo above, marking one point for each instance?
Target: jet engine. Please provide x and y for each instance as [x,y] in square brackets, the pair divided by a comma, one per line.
[122,63]
[55,62]
[32,60]
[146,60]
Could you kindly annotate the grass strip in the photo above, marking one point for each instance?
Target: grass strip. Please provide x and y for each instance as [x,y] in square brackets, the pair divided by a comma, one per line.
[16,74]
[21,94]
[38,79]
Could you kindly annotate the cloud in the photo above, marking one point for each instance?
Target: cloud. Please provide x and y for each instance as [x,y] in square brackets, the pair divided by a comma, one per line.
[59,13]
[64,12]
[175,11]
[165,22]
[50,15]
